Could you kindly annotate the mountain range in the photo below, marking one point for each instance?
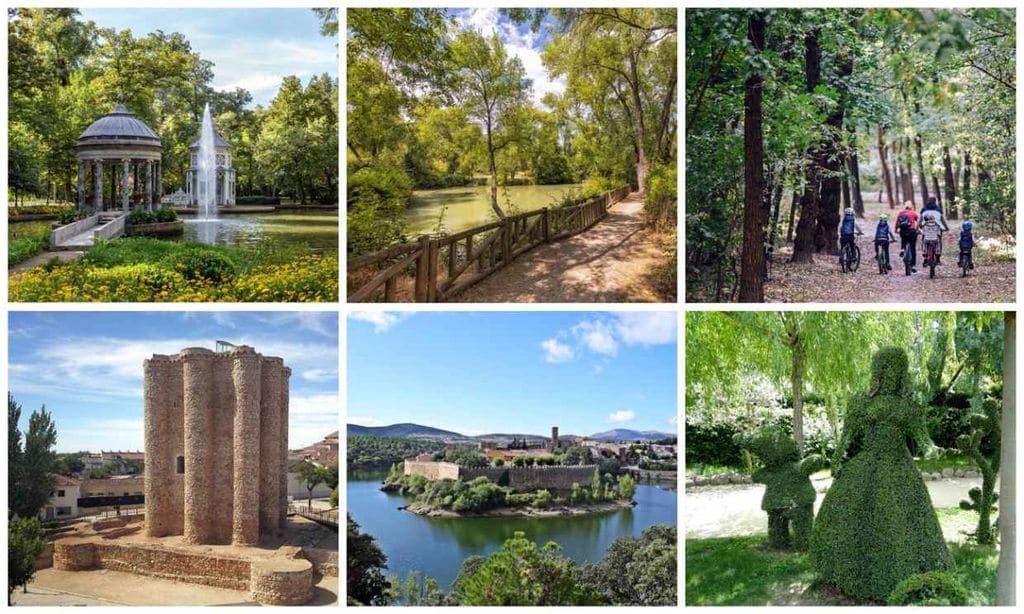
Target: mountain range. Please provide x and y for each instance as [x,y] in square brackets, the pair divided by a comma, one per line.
[418,431]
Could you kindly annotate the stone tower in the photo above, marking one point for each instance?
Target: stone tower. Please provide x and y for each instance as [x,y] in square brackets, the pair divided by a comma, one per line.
[216,428]
[554,438]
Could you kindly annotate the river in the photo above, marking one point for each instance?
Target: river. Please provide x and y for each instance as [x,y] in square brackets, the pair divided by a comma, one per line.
[470,206]
[437,546]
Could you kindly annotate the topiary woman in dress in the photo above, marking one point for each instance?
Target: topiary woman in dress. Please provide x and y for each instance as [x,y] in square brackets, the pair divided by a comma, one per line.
[877,525]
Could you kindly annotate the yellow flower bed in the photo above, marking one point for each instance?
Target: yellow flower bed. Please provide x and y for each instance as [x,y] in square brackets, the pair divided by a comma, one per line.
[310,279]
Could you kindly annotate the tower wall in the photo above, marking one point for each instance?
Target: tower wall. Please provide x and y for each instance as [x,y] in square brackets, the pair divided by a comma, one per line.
[225,416]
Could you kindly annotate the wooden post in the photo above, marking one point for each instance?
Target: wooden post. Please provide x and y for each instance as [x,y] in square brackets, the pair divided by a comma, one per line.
[453,252]
[506,242]
[422,269]
[432,249]
[389,290]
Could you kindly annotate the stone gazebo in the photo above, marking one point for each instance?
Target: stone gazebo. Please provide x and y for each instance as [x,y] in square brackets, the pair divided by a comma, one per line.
[129,152]
[225,173]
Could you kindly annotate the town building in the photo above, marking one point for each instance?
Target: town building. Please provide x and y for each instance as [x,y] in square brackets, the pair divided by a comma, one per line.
[63,501]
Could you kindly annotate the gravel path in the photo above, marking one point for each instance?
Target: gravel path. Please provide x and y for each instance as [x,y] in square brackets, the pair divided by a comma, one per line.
[608,263]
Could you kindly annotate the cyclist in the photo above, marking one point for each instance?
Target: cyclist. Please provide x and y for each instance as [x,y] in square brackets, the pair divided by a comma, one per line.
[966,241]
[906,227]
[931,214]
[847,227]
[882,237]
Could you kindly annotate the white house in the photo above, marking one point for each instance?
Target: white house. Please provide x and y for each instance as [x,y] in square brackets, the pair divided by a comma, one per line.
[63,501]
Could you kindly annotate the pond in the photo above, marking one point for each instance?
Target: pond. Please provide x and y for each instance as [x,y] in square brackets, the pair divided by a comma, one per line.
[470,206]
[21,230]
[437,546]
[317,229]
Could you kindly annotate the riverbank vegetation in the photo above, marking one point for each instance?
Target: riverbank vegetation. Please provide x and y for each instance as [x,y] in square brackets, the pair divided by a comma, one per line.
[435,101]
[373,452]
[480,495]
[634,571]
[795,114]
[152,270]
[759,576]
[65,72]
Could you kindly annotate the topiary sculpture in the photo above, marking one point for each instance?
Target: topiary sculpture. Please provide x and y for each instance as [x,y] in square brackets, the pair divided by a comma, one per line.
[877,526]
[981,445]
[929,588]
[788,494]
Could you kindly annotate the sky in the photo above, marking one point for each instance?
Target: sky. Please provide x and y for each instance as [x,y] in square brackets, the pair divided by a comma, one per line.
[251,48]
[86,367]
[513,372]
[519,41]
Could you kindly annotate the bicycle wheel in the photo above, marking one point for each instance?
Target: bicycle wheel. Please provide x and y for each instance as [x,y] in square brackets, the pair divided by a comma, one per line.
[844,255]
[931,261]
[965,264]
[907,260]
[855,263]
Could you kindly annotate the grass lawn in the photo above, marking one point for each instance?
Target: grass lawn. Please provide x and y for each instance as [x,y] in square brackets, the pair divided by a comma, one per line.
[741,571]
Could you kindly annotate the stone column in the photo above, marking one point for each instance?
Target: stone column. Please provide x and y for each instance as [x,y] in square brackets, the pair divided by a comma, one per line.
[160,462]
[98,178]
[197,376]
[283,479]
[81,185]
[246,483]
[224,202]
[125,194]
[270,447]
[159,182]
[149,186]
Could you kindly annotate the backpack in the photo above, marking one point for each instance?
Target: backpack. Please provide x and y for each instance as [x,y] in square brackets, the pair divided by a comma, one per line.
[903,223]
[930,228]
[848,225]
[882,231]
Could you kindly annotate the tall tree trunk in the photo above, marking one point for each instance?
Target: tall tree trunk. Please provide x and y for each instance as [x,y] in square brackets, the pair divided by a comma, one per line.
[846,192]
[886,174]
[966,195]
[792,216]
[920,169]
[1006,584]
[794,340]
[803,244]
[855,193]
[640,132]
[908,172]
[773,231]
[752,255]
[938,194]
[950,180]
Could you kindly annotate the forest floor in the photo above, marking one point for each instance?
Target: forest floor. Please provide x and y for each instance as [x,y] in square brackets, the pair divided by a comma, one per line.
[991,281]
[615,261]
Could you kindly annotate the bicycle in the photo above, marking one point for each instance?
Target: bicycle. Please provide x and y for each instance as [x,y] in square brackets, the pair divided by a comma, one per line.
[908,259]
[931,254]
[849,257]
[882,256]
[966,262]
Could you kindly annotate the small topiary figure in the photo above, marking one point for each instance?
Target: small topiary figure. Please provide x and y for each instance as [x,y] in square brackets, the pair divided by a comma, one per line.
[788,494]
[877,526]
[982,446]
[929,588]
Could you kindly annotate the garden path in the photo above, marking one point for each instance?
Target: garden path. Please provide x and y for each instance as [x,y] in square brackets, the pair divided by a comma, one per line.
[43,258]
[734,510]
[610,262]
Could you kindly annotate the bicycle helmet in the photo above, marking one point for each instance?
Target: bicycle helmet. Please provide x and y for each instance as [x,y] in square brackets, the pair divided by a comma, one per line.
[848,211]
[883,218]
[966,225]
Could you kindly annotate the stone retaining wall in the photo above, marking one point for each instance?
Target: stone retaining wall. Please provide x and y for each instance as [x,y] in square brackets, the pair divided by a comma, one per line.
[277,580]
[521,479]
[156,229]
[432,470]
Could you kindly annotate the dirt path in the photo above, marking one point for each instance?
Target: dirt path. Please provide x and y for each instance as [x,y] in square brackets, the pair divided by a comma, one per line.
[43,258]
[992,280]
[611,262]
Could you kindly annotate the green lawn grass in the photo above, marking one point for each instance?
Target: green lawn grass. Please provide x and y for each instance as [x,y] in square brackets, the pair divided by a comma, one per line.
[741,571]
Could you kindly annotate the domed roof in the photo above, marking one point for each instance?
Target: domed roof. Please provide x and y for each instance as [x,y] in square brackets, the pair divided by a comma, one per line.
[218,142]
[119,124]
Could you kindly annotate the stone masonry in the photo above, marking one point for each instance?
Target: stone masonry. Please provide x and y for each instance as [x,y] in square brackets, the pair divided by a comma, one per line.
[520,479]
[216,430]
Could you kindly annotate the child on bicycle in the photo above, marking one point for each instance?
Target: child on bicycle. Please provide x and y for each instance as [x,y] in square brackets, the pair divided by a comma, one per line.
[966,242]
[906,228]
[882,237]
[847,227]
[930,223]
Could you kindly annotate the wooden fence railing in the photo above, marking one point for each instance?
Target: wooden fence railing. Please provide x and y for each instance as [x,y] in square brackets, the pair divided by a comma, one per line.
[436,268]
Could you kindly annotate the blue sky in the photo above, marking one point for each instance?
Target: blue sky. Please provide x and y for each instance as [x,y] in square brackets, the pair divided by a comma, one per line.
[485,372]
[251,48]
[519,41]
[86,367]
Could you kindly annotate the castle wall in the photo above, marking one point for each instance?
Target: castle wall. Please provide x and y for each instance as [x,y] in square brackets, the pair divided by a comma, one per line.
[226,415]
[520,479]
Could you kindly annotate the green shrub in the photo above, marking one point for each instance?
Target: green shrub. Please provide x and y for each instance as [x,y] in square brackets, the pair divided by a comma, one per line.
[66,216]
[257,200]
[20,250]
[595,185]
[542,499]
[200,263]
[377,197]
[166,214]
[929,588]
[877,526]
[660,201]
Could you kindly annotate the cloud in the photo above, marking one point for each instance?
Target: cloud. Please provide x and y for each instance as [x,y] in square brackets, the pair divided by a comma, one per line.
[320,375]
[673,420]
[623,415]
[646,327]
[382,320]
[364,421]
[597,336]
[555,351]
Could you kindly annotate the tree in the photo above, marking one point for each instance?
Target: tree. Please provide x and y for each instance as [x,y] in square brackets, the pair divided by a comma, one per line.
[312,475]
[493,91]
[637,571]
[752,259]
[31,469]
[627,487]
[521,574]
[366,584]
[1006,586]
[24,545]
